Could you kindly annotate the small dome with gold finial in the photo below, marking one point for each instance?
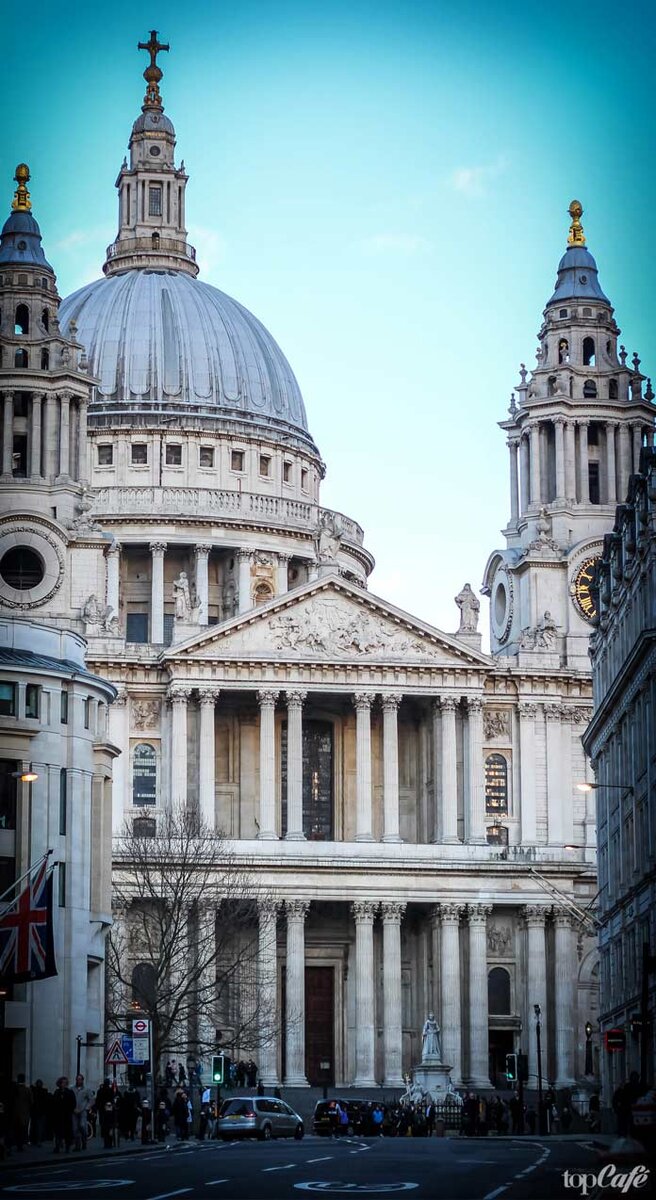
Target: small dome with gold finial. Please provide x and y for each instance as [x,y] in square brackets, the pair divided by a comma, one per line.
[577,270]
[20,240]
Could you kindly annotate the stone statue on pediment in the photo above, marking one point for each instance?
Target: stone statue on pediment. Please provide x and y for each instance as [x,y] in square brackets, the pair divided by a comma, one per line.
[328,539]
[182,597]
[470,608]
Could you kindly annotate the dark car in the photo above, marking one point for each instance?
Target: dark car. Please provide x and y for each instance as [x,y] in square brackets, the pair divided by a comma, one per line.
[360,1122]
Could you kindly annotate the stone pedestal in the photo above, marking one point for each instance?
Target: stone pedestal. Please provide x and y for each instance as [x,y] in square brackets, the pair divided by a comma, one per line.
[185,629]
[432,1076]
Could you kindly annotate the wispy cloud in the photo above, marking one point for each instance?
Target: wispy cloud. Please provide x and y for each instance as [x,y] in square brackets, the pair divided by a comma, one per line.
[83,237]
[473,181]
[396,243]
[210,248]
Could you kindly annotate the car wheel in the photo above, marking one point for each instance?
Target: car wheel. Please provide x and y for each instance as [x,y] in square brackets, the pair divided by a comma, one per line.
[265,1133]
[299,1132]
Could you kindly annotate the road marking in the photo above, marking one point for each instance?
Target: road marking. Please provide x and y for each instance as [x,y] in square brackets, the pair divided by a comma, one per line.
[287,1167]
[68,1185]
[212,1182]
[165,1195]
[327,1158]
[497,1192]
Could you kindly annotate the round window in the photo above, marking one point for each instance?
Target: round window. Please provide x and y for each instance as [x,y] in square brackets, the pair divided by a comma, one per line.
[22,568]
[500,604]
[155,150]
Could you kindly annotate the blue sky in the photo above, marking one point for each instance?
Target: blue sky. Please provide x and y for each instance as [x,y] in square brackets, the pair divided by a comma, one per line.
[385,186]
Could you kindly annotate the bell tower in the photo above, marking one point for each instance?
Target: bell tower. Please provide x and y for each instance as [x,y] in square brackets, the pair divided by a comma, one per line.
[151,189]
[575,428]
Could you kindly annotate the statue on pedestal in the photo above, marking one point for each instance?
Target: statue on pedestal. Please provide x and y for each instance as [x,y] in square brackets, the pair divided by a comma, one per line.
[430,1040]
[182,597]
[470,608]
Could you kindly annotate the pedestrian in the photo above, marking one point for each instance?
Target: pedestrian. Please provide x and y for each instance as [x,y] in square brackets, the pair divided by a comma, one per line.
[106,1113]
[240,1073]
[430,1119]
[162,1126]
[40,1109]
[251,1073]
[554,1118]
[146,1122]
[22,1107]
[260,1088]
[179,1114]
[594,1117]
[377,1120]
[515,1113]
[63,1107]
[169,1074]
[182,1074]
[83,1102]
[566,1118]
[343,1120]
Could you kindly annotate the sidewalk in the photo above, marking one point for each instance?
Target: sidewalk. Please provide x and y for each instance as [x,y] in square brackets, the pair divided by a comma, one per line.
[36,1155]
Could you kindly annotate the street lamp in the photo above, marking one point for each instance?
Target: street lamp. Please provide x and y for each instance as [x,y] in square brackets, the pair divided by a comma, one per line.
[593,787]
[28,776]
[588,1049]
[538,1038]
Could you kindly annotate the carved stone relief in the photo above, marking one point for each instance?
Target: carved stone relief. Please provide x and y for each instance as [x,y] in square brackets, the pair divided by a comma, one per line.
[499,940]
[145,714]
[496,724]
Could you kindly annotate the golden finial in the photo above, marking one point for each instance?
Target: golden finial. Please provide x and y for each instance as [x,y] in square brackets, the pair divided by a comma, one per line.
[153,73]
[576,237]
[21,201]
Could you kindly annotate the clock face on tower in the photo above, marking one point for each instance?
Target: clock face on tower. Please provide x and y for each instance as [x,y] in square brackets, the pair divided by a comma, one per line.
[584,588]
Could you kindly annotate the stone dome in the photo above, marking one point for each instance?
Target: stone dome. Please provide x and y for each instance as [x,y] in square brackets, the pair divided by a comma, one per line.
[163,337]
[577,278]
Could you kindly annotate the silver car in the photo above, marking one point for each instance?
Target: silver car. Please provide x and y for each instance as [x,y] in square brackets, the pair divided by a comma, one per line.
[264,1117]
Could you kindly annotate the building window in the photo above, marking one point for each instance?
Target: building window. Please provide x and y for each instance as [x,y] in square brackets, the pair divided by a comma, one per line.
[45,360]
[206,456]
[144,827]
[63,706]
[144,775]
[8,791]
[61,885]
[20,359]
[22,568]
[154,201]
[173,454]
[590,389]
[63,801]
[562,312]
[139,452]
[612,389]
[87,713]
[496,784]
[7,699]
[593,483]
[563,351]
[496,835]
[265,465]
[588,352]
[136,627]
[263,593]
[32,697]
[237,460]
[105,455]
[304,480]
[169,621]
[22,324]
[498,992]
[45,319]
[287,470]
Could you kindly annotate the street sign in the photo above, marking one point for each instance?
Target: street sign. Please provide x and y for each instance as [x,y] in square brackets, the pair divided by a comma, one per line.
[140,1027]
[139,1050]
[615,1040]
[115,1055]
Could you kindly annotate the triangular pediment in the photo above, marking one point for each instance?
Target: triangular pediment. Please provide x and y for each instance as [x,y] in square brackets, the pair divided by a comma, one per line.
[329,620]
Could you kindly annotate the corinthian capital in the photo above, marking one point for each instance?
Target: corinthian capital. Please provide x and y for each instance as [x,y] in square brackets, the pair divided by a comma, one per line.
[527,711]
[474,705]
[478,913]
[178,693]
[267,699]
[535,914]
[209,695]
[296,910]
[448,704]
[392,912]
[363,700]
[364,911]
[451,913]
[390,701]
[295,699]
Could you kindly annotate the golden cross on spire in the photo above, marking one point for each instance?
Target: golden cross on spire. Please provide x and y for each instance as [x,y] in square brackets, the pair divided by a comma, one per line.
[21,201]
[153,73]
[576,237]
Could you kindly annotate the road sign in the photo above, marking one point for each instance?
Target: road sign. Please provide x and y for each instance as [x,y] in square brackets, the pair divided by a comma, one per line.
[115,1055]
[615,1040]
[140,1027]
[139,1050]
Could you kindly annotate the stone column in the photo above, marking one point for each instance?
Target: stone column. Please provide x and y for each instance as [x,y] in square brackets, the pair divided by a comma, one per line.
[637,446]
[207,963]
[527,809]
[555,795]
[475,812]
[624,461]
[524,474]
[449,814]
[391,816]
[201,555]
[479,1071]
[559,427]
[178,697]
[267,986]
[570,459]
[566,971]
[364,912]
[584,482]
[611,484]
[157,550]
[244,581]
[295,701]
[35,448]
[513,447]
[363,702]
[392,1015]
[113,577]
[64,433]
[50,440]
[83,443]
[536,486]
[450,990]
[295,997]
[536,989]
[282,578]
[7,434]
[207,752]
[267,703]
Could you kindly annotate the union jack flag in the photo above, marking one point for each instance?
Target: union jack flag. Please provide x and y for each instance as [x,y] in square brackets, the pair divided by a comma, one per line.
[27,948]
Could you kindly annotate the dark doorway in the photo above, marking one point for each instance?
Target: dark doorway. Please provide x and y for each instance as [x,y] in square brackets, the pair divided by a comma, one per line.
[502,1042]
[317,780]
[319,1026]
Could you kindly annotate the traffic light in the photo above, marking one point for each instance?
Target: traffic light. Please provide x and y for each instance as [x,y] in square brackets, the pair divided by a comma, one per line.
[219,1068]
[511,1067]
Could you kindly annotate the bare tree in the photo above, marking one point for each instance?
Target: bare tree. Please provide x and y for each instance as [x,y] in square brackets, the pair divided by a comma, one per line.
[184,943]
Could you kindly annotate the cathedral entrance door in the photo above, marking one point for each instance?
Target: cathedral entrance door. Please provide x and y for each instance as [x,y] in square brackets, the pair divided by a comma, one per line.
[320,1026]
[502,1042]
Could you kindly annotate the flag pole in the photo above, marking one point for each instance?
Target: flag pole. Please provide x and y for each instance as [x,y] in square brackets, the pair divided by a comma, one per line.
[12,887]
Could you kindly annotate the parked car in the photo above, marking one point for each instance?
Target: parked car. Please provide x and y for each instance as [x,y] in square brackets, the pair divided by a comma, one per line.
[264,1117]
[359,1115]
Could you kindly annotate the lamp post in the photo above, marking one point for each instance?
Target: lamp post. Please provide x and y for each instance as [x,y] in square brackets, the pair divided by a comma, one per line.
[538,1038]
[589,1069]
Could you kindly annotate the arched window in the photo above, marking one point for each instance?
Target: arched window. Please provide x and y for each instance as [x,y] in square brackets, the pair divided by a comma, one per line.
[551,385]
[45,360]
[496,784]
[45,319]
[22,325]
[20,359]
[563,351]
[588,352]
[144,775]
[263,593]
[155,241]
[144,986]
[590,389]
[612,389]
[498,992]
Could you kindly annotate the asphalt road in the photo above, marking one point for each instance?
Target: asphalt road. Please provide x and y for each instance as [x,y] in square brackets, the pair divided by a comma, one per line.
[452,1169]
